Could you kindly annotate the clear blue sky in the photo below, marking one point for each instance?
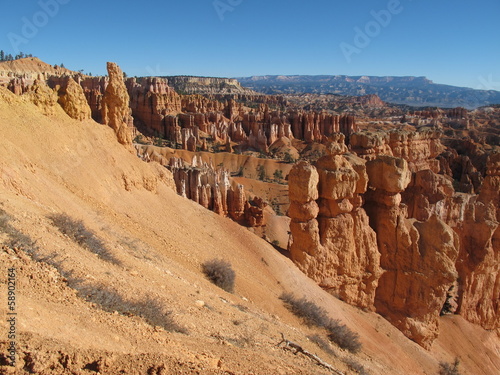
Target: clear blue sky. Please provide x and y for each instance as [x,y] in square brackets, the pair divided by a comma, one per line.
[452,42]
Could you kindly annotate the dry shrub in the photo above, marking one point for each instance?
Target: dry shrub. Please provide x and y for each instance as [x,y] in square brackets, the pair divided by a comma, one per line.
[15,237]
[343,336]
[220,273]
[79,233]
[449,368]
[148,307]
[322,344]
[312,314]
[356,366]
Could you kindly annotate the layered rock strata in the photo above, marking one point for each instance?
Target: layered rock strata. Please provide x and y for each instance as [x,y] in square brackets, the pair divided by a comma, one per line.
[418,258]
[479,262]
[332,240]
[419,148]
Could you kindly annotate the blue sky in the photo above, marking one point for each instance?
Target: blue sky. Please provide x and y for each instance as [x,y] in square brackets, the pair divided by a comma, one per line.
[452,42]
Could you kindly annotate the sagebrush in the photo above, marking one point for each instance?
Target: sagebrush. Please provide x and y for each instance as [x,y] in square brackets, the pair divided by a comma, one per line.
[221,273]
[79,233]
[321,343]
[449,368]
[15,238]
[312,314]
[343,336]
[150,308]
[356,366]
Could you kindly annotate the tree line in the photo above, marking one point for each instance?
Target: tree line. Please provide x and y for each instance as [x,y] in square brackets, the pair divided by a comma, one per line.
[9,57]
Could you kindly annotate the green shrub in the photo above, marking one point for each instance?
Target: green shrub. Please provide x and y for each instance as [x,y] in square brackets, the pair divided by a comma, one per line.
[261,173]
[278,175]
[288,158]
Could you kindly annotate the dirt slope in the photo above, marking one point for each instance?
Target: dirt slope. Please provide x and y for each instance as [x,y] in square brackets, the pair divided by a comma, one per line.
[138,302]
[32,65]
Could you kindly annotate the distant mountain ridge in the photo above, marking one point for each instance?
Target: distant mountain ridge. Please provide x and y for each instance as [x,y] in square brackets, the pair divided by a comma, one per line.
[208,85]
[409,90]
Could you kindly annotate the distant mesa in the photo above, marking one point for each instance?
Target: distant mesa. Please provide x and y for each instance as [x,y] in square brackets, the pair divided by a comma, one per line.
[414,91]
[207,85]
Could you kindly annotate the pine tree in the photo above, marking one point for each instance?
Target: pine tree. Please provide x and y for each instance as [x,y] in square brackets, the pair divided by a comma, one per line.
[2,55]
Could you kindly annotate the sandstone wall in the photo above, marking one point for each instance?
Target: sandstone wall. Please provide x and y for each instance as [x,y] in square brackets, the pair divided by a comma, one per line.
[332,240]
[419,148]
[418,258]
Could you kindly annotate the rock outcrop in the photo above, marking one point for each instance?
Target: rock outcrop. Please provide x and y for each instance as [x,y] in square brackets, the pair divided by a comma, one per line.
[479,262]
[332,240]
[211,187]
[418,258]
[72,100]
[42,96]
[93,88]
[208,85]
[419,148]
[153,103]
[116,112]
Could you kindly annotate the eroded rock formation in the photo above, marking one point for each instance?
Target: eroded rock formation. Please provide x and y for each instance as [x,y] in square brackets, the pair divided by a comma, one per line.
[418,258]
[73,101]
[208,85]
[332,240]
[419,148]
[116,112]
[42,96]
[212,188]
[475,219]
[399,266]
[479,265]
[153,102]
